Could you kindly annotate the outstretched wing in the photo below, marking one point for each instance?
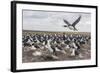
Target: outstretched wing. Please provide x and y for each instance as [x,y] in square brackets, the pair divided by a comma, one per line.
[76,21]
[66,22]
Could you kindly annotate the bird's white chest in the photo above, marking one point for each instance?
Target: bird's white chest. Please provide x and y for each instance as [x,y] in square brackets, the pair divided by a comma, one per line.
[71,27]
[37,53]
[33,48]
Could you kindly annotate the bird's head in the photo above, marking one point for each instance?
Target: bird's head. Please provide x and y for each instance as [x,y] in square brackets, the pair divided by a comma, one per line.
[64,25]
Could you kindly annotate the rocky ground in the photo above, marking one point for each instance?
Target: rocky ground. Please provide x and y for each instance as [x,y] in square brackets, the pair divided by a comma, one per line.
[43,55]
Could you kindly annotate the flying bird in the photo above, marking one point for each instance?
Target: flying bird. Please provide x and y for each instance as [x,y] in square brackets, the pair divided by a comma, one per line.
[72,26]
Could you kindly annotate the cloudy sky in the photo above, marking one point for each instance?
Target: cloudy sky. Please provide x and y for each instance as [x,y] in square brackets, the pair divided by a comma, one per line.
[53,21]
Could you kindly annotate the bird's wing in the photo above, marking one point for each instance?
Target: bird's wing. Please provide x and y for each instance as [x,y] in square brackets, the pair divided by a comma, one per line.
[66,22]
[76,21]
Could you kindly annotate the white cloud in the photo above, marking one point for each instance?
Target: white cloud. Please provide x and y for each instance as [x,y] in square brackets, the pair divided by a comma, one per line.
[53,21]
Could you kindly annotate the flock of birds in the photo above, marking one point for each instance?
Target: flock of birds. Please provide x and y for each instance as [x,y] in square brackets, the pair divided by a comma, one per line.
[55,42]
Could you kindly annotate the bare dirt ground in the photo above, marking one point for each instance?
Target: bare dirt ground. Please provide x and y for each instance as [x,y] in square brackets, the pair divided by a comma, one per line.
[84,53]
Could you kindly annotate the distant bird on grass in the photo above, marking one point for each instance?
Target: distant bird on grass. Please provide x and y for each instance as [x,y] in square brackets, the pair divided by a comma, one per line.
[72,26]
